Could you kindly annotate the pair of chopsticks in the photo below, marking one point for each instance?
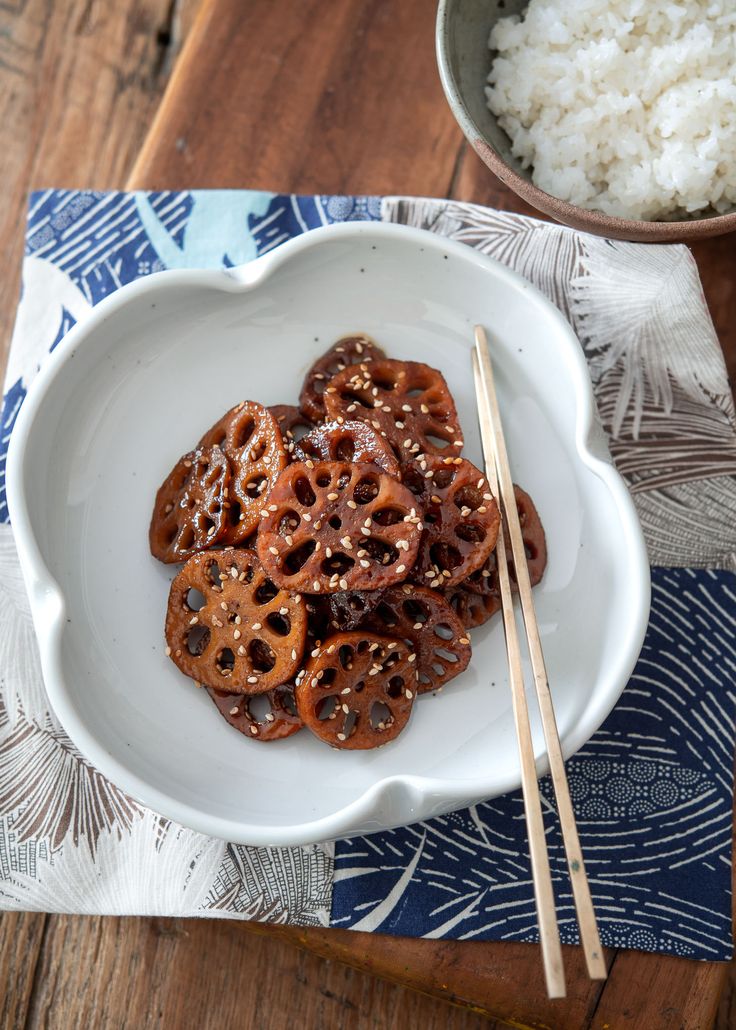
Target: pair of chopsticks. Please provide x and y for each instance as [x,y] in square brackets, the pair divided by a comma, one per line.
[498,473]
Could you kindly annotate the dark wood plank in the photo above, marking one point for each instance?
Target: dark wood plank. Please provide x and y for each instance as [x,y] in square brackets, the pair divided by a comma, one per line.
[144,973]
[658,992]
[503,981]
[21,937]
[282,96]
[79,83]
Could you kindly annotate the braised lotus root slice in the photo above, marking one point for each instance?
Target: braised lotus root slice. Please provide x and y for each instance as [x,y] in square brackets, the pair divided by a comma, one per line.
[425,620]
[407,402]
[346,351]
[189,513]
[249,436]
[229,627]
[266,717]
[347,440]
[337,526]
[485,579]
[472,609]
[292,423]
[356,692]
[461,519]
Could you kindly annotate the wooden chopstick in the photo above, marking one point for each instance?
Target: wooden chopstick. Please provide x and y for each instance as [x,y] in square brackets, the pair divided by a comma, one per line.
[549,934]
[498,454]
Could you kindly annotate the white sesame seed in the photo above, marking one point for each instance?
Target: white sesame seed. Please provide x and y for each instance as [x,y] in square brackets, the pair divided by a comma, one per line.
[328,552]
[364,564]
[194,620]
[254,730]
[332,497]
[345,690]
[274,550]
[307,517]
[417,625]
[315,586]
[167,651]
[341,736]
[293,654]
[352,504]
[314,682]
[237,634]
[343,584]
[409,694]
[400,569]
[252,679]
[424,409]
[412,658]
[270,717]
[345,709]
[234,710]
[256,626]
[241,650]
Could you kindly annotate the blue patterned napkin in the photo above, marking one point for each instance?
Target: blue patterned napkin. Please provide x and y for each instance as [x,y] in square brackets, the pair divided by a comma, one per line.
[652,789]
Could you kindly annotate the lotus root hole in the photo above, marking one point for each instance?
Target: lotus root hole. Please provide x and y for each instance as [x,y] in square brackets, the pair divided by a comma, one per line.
[256,485]
[198,639]
[325,707]
[304,492]
[344,449]
[194,599]
[470,532]
[259,707]
[337,565]
[388,516]
[381,717]
[298,557]
[265,592]
[366,489]
[379,551]
[350,725]
[226,661]
[261,656]
[280,624]
[395,686]
[244,433]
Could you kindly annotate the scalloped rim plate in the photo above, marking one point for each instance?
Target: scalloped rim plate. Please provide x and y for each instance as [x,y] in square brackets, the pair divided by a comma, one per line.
[153,365]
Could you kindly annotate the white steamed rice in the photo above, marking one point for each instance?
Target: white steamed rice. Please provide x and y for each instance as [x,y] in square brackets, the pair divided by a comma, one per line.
[624,106]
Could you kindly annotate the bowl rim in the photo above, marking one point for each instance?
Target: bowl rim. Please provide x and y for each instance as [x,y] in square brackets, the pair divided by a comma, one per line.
[398,792]
[637,230]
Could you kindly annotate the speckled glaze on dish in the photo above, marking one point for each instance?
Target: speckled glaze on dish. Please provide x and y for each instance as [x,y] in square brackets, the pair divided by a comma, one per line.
[463,28]
[152,367]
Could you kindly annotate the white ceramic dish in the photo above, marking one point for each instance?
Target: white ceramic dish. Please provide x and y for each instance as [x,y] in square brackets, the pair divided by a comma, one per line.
[129,390]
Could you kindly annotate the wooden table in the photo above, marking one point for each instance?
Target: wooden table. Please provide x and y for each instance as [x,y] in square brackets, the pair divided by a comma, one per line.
[307,97]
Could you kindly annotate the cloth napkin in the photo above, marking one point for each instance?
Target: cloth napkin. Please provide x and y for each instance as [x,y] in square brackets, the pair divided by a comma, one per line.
[652,789]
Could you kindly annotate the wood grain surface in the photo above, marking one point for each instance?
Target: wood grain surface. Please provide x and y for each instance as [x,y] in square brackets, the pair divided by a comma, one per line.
[308,97]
